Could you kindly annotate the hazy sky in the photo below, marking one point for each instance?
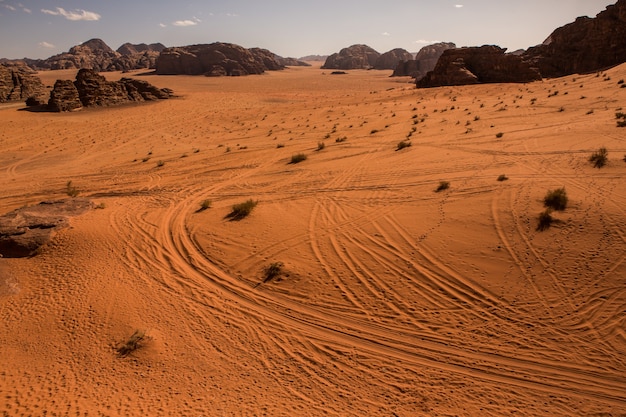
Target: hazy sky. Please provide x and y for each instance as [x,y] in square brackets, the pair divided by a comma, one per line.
[41,28]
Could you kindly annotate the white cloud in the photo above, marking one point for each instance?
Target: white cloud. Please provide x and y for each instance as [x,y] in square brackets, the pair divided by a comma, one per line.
[163,25]
[46,45]
[386,34]
[77,14]
[27,10]
[8,6]
[458,6]
[425,42]
[185,23]
[232,15]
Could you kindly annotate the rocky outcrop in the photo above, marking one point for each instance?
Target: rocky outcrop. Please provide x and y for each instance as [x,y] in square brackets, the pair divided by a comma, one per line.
[390,59]
[291,62]
[215,59]
[92,89]
[476,65]
[352,57]
[19,83]
[25,230]
[133,49]
[586,45]
[424,61]
[93,54]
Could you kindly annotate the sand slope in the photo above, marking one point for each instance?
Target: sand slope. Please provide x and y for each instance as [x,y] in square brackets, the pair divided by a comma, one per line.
[395,299]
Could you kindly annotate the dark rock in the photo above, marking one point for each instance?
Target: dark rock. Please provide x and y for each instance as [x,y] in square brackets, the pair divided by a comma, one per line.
[93,54]
[130,49]
[586,45]
[25,230]
[338,73]
[92,89]
[389,60]
[352,57]
[424,61]
[215,59]
[19,83]
[475,65]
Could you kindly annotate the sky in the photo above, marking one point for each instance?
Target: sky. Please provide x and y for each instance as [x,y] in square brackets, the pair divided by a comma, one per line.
[290,28]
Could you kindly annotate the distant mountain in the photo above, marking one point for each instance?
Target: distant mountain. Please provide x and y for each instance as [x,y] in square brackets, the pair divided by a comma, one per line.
[352,57]
[131,49]
[313,58]
[389,60]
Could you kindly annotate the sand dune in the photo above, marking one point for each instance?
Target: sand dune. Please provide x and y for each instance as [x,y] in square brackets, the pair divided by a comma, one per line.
[395,300]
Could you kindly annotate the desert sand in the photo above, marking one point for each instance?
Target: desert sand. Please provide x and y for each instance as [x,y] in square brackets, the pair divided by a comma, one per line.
[395,300]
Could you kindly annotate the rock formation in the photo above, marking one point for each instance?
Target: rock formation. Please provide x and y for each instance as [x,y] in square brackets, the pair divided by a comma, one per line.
[291,62]
[475,65]
[389,60]
[93,54]
[25,230]
[424,61]
[18,83]
[92,89]
[215,59]
[352,57]
[134,49]
[586,45]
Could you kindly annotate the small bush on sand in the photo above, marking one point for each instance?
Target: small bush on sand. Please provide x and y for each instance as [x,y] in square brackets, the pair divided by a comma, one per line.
[556,199]
[403,144]
[320,146]
[133,343]
[272,271]
[443,185]
[242,210]
[71,190]
[599,158]
[499,135]
[297,158]
[621,119]
[502,177]
[545,220]
[205,205]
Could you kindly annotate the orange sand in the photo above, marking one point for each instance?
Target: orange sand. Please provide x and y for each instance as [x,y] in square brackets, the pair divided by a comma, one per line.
[395,301]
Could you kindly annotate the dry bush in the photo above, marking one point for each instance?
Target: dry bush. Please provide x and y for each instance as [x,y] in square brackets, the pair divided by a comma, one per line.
[545,220]
[242,210]
[133,343]
[556,199]
[599,158]
[443,185]
[297,158]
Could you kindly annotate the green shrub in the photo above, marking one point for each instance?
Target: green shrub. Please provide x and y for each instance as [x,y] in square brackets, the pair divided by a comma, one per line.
[545,220]
[242,210]
[443,185]
[297,158]
[599,158]
[556,199]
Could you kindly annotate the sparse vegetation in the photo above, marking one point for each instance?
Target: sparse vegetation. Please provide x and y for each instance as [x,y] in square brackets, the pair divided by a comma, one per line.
[621,119]
[280,145]
[341,139]
[545,220]
[556,199]
[403,144]
[71,190]
[242,210]
[134,342]
[272,271]
[320,146]
[589,111]
[373,131]
[297,158]
[160,163]
[205,204]
[499,135]
[599,158]
[502,177]
[443,185]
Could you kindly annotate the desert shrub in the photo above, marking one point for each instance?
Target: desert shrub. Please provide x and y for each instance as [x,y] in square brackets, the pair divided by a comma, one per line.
[160,163]
[545,220]
[272,271]
[133,343]
[297,158]
[403,144]
[373,131]
[499,135]
[599,158]
[443,185]
[622,116]
[341,139]
[502,177]
[71,190]
[589,111]
[242,210]
[205,204]
[320,146]
[280,145]
[556,199]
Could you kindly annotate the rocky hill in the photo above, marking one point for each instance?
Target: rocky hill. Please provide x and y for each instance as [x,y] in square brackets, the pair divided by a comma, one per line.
[585,45]
[216,59]
[19,83]
[91,89]
[424,61]
[352,57]
[477,65]
[389,60]
[133,49]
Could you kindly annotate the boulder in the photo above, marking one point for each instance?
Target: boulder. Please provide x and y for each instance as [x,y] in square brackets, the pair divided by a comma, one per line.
[352,57]
[92,89]
[215,59]
[474,65]
[25,230]
[586,45]
[390,59]
[19,83]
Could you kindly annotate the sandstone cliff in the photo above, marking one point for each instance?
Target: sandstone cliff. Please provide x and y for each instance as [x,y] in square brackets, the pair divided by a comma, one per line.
[390,59]
[424,61]
[352,57]
[19,83]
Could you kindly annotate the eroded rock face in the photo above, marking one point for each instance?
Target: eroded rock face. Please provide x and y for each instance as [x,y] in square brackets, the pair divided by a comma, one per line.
[352,57]
[25,230]
[216,59]
[93,54]
[476,65]
[424,61]
[586,45]
[92,89]
[134,49]
[390,59]
[19,83]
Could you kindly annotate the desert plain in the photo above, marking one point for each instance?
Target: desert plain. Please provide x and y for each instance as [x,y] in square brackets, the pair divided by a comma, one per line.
[392,299]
